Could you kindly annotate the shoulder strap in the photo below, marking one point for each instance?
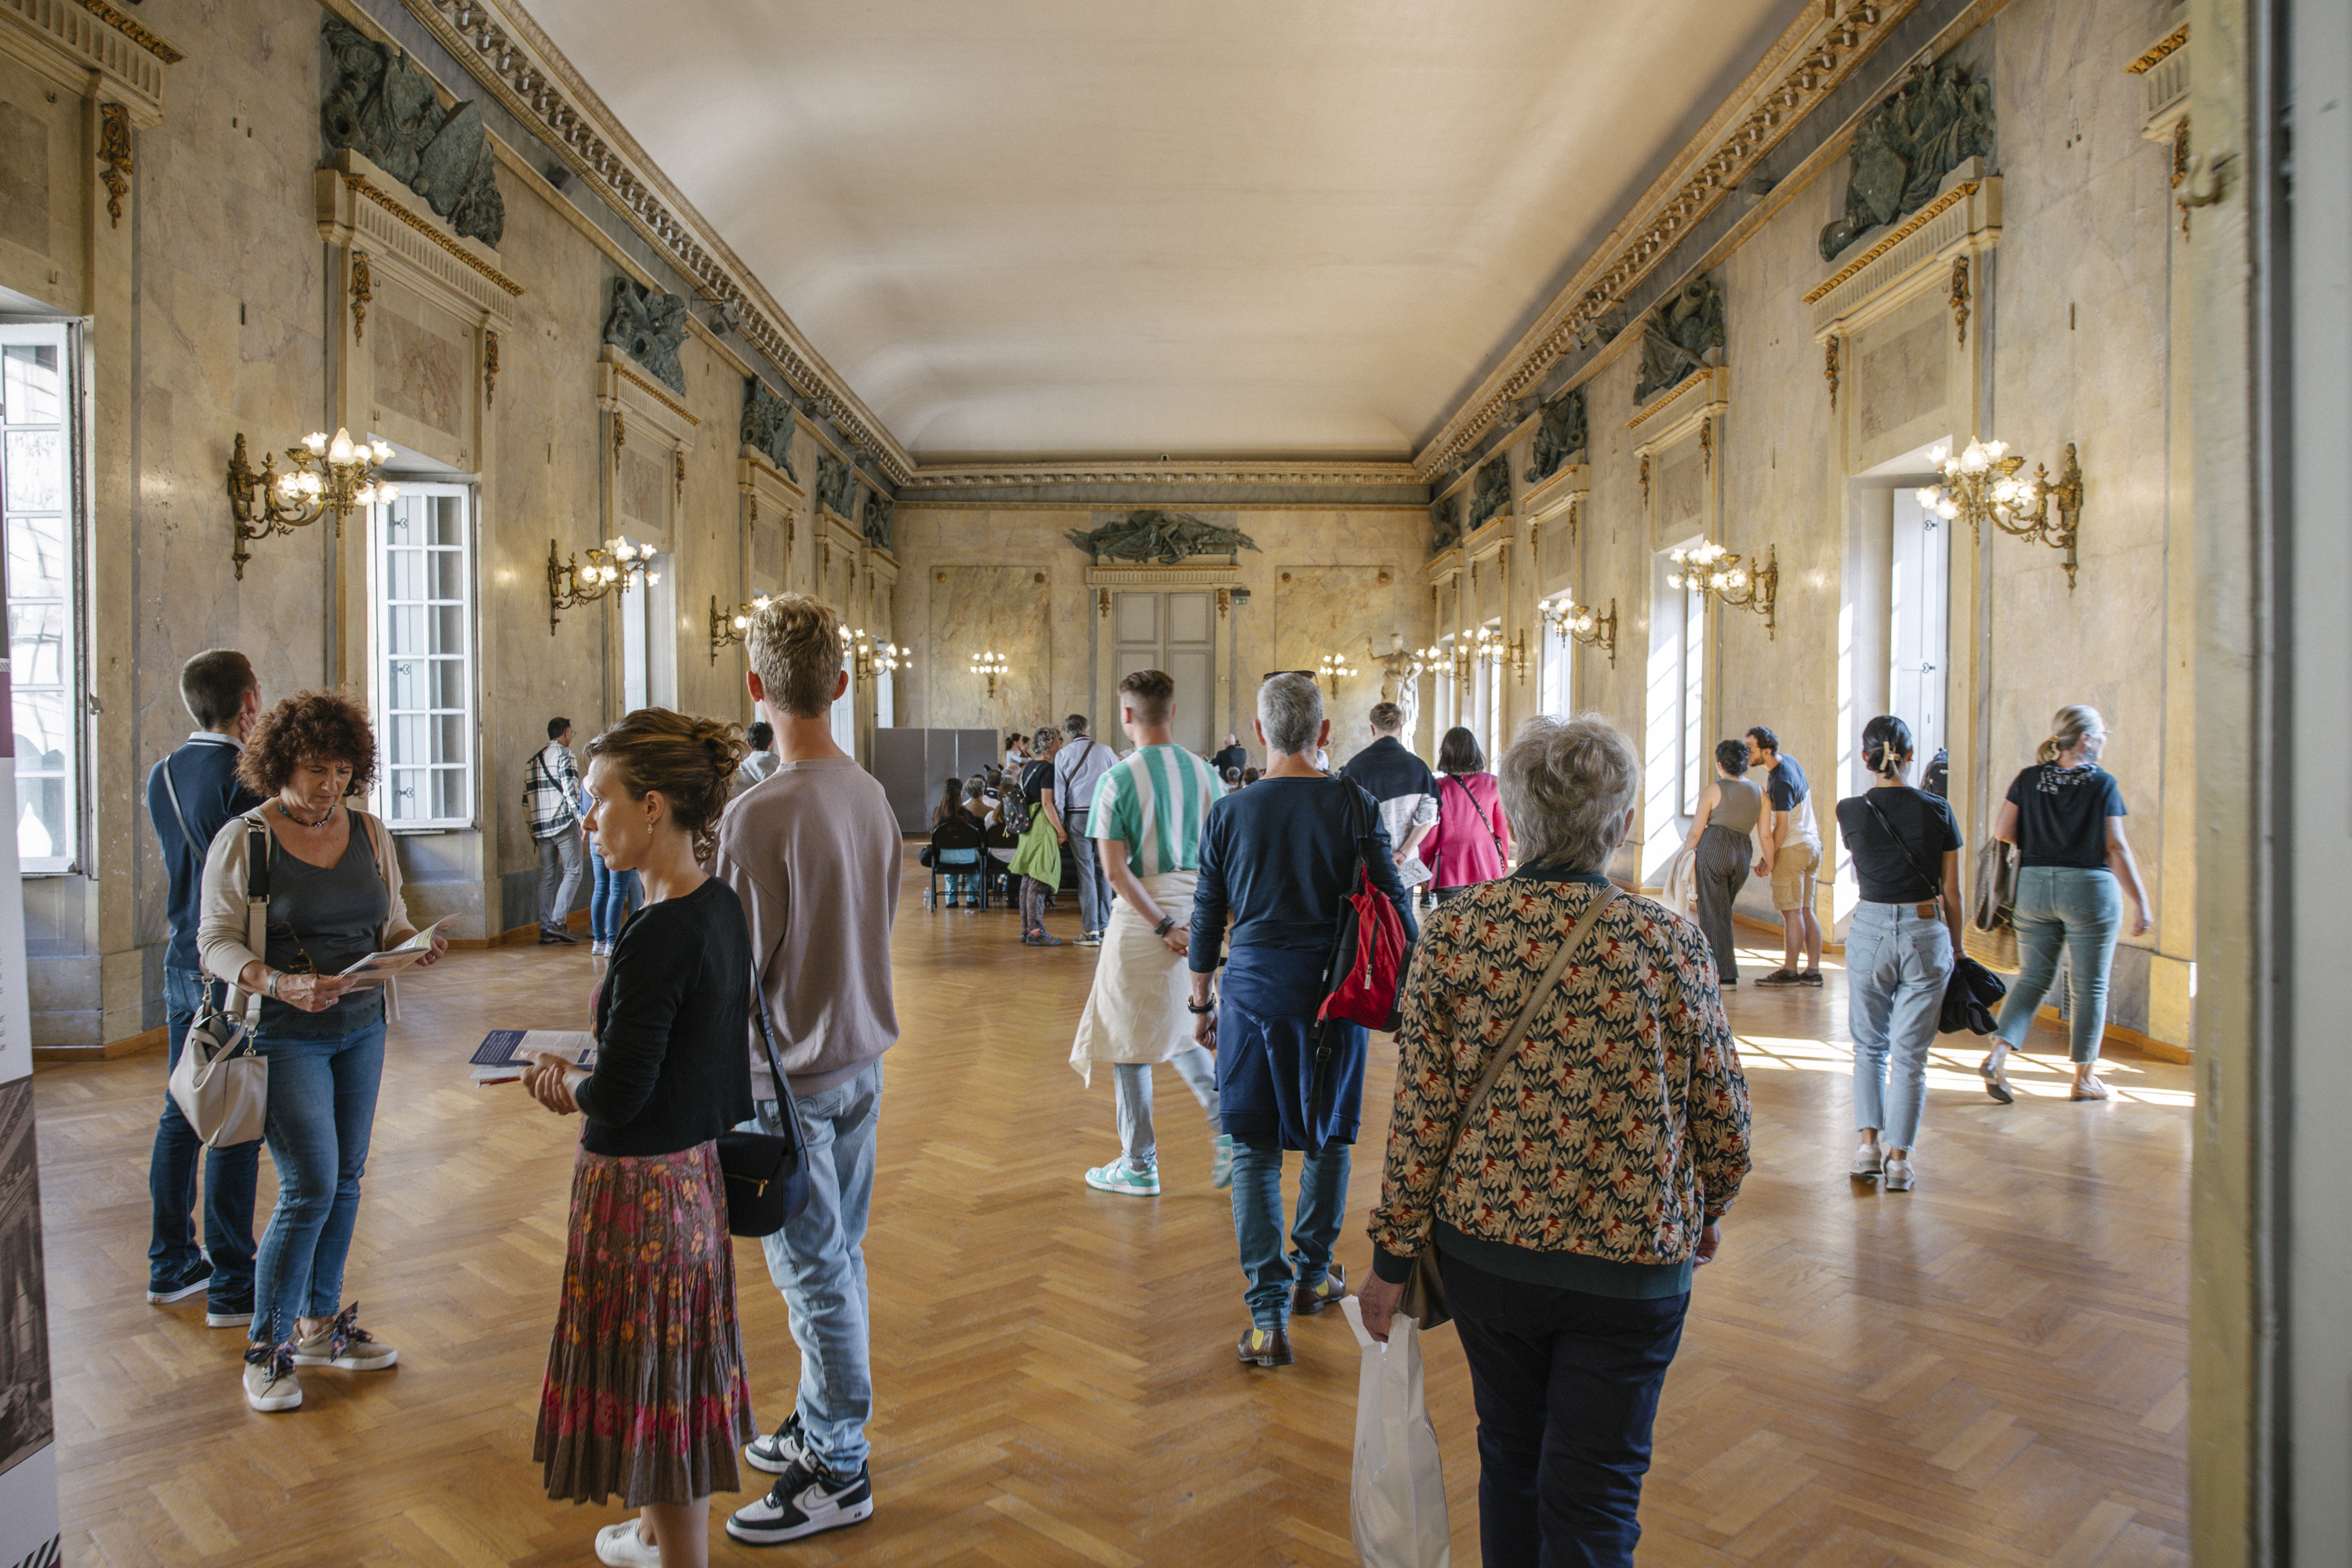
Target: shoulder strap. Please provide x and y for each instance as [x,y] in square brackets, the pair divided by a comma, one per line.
[1483,820]
[257,897]
[172,793]
[1933,881]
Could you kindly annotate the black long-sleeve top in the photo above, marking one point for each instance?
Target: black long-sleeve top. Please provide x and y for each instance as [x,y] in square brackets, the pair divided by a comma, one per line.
[670,1020]
[1281,856]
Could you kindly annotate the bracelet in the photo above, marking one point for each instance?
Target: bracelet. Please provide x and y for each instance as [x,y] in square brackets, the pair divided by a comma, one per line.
[269,978]
[1197,1012]
[1167,923]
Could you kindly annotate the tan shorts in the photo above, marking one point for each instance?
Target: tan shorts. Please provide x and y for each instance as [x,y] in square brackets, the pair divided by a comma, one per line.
[1792,876]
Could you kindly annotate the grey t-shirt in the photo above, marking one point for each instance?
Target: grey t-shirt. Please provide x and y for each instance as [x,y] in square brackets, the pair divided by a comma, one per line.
[322,919]
[1078,767]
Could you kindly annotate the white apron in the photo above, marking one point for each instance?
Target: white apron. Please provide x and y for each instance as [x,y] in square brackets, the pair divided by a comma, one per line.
[1136,1012]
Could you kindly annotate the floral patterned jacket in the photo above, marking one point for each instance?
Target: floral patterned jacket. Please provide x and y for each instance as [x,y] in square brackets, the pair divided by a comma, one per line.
[1620,1126]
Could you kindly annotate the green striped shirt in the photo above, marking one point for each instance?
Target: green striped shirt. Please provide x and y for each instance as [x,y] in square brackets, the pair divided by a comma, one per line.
[1154,802]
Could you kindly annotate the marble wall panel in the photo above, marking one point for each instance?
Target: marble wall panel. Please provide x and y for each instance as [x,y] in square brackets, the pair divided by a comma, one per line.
[644,484]
[1899,375]
[972,610]
[1344,610]
[420,372]
[41,198]
[1679,476]
[24,179]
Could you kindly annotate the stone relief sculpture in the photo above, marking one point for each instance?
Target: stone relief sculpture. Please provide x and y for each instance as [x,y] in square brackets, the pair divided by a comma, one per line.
[836,485]
[382,107]
[1492,492]
[1937,121]
[1679,336]
[648,328]
[1561,433]
[1444,527]
[1160,538]
[768,425]
[881,511]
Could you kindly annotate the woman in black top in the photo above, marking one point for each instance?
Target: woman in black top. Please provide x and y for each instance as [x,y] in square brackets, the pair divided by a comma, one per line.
[2065,815]
[646,1393]
[1899,949]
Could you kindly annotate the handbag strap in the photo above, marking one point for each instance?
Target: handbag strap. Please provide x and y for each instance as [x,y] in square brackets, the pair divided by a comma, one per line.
[1510,1045]
[788,1109]
[172,793]
[1933,881]
[1483,820]
[257,905]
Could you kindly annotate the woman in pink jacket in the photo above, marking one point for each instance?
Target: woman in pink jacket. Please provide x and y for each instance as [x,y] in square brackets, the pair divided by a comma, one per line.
[1473,841]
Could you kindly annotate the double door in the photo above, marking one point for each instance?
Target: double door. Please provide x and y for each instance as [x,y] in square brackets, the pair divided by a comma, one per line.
[1174,632]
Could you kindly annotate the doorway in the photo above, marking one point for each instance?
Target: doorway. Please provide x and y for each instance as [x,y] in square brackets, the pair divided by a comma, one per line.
[1918,624]
[648,645]
[1175,633]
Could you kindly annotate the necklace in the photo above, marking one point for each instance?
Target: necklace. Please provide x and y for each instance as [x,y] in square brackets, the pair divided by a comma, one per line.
[298,822]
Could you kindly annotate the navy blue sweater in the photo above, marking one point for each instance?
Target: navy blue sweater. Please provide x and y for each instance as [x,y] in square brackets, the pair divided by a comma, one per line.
[204,771]
[1280,856]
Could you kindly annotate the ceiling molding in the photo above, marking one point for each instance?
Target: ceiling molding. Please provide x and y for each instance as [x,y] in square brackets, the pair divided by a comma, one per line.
[1808,61]
[504,50]
[988,476]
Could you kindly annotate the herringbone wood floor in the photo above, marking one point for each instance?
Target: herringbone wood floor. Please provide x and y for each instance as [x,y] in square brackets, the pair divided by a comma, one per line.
[1988,1370]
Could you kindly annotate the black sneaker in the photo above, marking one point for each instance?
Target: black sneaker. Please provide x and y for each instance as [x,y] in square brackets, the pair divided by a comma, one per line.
[554,938]
[777,1454]
[230,1314]
[1810,977]
[1780,977]
[196,1280]
[805,1501]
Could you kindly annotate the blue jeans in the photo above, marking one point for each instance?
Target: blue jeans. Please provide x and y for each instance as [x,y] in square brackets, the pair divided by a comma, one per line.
[818,1261]
[1897,965]
[322,1087]
[2082,911]
[1567,1388]
[1131,1087]
[1257,1225]
[1093,887]
[609,897]
[229,1177]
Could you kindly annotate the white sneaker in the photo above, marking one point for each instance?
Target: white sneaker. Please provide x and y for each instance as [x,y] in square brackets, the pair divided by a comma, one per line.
[621,1546]
[1899,1176]
[1119,1176]
[803,1501]
[342,1342]
[1867,1162]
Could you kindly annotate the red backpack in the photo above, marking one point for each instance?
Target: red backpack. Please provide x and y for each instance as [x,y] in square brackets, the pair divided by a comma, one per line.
[1366,968]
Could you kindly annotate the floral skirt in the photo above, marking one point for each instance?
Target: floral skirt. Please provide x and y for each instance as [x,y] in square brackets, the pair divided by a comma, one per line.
[647,1395]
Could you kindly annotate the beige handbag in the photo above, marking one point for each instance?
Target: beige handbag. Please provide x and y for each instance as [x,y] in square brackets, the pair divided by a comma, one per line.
[221,1084]
[1424,1299]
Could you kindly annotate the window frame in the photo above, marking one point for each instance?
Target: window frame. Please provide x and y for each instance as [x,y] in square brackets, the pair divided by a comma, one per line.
[380,657]
[73,680]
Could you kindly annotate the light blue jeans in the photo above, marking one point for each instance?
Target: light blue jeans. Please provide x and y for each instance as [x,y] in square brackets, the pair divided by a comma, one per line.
[2080,910]
[1133,1080]
[818,1261]
[1896,965]
[1258,1226]
[322,1090]
[610,895]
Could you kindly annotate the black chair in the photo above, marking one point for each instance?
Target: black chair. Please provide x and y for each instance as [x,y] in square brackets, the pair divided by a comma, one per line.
[1001,844]
[959,848]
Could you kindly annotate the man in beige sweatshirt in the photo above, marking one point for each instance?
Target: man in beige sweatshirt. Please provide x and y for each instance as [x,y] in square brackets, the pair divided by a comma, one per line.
[814,852]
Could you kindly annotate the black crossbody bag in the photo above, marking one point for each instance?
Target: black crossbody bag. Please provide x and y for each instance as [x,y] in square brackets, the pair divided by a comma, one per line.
[767,1172]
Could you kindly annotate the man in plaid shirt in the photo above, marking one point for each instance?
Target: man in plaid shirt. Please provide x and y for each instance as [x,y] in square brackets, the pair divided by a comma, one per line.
[550,797]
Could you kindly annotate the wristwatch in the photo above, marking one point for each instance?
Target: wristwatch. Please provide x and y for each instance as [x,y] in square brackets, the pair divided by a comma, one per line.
[1167,923]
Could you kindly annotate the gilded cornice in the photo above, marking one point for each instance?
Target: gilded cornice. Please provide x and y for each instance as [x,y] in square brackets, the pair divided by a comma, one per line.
[504,50]
[1893,237]
[1809,60]
[361,185]
[654,390]
[2175,39]
[150,42]
[976,475]
[92,50]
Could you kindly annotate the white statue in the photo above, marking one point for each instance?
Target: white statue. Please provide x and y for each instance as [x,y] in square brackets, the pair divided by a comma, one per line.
[1400,671]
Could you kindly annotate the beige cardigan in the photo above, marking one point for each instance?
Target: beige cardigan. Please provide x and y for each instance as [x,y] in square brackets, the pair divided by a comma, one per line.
[220,921]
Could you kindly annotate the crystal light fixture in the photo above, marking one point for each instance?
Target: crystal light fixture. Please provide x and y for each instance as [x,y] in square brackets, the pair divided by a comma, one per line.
[331,473]
[570,585]
[1333,667]
[873,658]
[1711,570]
[992,665]
[1577,623]
[728,628]
[1981,484]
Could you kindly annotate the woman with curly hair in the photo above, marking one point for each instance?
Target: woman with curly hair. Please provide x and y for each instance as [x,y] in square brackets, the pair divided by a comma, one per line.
[333,889]
[645,1393]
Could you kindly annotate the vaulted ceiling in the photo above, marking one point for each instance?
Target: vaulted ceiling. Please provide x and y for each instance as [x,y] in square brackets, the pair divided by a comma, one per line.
[1063,229]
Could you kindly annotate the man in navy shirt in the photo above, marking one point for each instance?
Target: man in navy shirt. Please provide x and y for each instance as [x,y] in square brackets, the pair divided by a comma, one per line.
[190,795]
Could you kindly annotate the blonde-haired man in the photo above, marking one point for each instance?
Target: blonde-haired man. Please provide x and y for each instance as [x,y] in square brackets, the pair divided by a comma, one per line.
[812,851]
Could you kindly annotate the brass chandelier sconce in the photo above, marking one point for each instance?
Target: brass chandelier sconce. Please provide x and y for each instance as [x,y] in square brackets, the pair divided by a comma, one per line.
[1982,484]
[872,658]
[1711,570]
[992,665]
[729,627]
[334,474]
[570,585]
[1577,623]
[1333,667]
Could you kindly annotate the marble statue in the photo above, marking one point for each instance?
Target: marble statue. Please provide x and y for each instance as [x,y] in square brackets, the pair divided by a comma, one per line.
[1561,433]
[382,107]
[1445,530]
[1937,121]
[1492,492]
[1678,336]
[1163,538]
[768,425]
[648,328]
[1401,672]
[836,485]
[880,513]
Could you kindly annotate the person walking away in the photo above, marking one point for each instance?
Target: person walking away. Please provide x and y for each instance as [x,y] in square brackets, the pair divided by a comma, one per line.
[1078,768]
[1899,951]
[1147,817]
[1567,1260]
[1233,755]
[551,798]
[815,857]
[1280,860]
[189,794]
[1789,852]
[1037,862]
[2065,815]
[761,762]
[646,1393]
[335,890]
[1722,846]
[1404,786]
[1473,839]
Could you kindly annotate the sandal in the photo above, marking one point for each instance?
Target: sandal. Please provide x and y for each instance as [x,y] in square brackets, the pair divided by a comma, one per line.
[1996,1081]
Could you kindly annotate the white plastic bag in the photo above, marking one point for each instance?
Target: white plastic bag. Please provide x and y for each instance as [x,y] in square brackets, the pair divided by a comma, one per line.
[1396,1508]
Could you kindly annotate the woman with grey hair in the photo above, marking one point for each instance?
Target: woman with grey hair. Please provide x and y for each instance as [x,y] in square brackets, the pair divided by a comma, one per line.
[1280,860]
[1570,1201]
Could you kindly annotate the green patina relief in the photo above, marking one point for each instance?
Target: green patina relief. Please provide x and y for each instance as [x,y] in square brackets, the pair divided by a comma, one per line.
[1159,538]
[1678,337]
[648,328]
[1561,436]
[1445,526]
[881,511]
[1491,493]
[768,425]
[1937,121]
[382,107]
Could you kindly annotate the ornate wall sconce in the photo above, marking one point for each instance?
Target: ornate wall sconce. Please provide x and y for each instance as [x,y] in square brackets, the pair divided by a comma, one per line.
[873,658]
[1982,484]
[570,585]
[729,628]
[1577,623]
[1518,654]
[1333,667]
[992,665]
[1710,570]
[1482,646]
[334,474]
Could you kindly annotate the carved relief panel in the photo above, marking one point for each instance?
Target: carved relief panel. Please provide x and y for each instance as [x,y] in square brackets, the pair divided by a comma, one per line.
[647,433]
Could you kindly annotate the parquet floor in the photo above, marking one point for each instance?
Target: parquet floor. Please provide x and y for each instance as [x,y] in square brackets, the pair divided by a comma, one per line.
[1987,1370]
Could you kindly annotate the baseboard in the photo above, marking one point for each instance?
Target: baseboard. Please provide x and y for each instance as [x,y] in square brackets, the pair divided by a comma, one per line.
[129,1046]
[517,936]
[2145,1044]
